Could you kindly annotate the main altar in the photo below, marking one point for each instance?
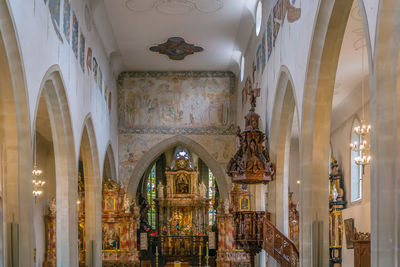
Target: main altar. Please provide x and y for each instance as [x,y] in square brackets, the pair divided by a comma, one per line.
[183,212]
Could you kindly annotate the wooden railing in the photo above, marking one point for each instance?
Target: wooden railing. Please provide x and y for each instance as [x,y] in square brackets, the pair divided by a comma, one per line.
[254,231]
[279,246]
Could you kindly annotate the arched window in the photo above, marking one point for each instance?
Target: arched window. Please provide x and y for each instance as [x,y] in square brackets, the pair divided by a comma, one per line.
[258,17]
[151,195]
[212,190]
[355,170]
[242,68]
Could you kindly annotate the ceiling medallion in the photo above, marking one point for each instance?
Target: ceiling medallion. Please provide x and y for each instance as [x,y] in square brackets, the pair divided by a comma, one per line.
[174,7]
[176,48]
[251,163]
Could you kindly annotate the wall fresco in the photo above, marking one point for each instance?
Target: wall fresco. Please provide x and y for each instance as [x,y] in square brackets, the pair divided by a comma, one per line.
[177,102]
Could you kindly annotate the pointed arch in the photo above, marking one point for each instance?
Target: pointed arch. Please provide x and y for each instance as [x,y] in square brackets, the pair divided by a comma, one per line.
[15,150]
[194,147]
[52,87]
[109,169]
[330,25]
[93,211]
[283,113]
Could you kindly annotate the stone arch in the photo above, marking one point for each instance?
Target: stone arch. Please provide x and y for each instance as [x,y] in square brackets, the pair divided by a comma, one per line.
[15,150]
[283,113]
[93,208]
[156,151]
[52,87]
[330,25]
[109,162]
[385,141]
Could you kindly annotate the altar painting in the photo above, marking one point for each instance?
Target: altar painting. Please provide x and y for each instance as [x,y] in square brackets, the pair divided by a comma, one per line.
[111,237]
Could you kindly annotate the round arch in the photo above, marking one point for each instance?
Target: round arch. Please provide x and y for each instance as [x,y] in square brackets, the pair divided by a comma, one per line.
[52,87]
[93,208]
[156,151]
[15,150]
[283,113]
[330,25]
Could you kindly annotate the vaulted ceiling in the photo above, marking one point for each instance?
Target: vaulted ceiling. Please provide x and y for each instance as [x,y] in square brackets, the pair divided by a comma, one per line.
[128,28]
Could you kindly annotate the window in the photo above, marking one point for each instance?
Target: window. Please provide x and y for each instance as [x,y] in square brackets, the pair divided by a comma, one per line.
[355,170]
[258,17]
[212,190]
[242,69]
[151,195]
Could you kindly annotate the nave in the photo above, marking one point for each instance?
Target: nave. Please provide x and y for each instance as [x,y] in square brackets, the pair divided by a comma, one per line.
[199,133]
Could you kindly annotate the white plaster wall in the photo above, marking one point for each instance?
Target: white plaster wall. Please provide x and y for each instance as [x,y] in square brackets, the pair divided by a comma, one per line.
[359,210]
[40,49]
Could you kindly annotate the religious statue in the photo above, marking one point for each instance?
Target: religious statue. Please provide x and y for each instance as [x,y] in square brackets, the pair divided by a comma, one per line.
[52,206]
[202,190]
[127,204]
[160,190]
[227,204]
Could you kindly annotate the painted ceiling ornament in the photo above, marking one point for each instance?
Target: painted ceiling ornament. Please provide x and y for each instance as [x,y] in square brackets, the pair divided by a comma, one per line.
[174,7]
[176,48]
[251,163]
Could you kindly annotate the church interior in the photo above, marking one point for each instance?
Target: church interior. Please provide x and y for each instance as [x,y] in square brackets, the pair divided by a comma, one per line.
[146,133]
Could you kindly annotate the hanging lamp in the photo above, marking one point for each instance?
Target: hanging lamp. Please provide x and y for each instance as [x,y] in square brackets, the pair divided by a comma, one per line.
[37,180]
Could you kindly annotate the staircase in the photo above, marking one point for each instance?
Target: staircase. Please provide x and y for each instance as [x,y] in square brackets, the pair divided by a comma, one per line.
[253,230]
[279,246]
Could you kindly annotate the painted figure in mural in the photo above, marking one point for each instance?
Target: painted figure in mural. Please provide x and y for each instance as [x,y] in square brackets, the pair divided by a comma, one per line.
[281,9]
[182,186]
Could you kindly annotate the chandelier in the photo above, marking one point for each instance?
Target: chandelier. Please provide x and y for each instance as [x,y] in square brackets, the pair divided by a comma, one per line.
[37,180]
[363,131]
[363,147]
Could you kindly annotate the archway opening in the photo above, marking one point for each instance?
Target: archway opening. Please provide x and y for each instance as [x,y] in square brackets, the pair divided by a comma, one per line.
[180,196]
[44,206]
[89,200]
[62,213]
[324,70]
[15,152]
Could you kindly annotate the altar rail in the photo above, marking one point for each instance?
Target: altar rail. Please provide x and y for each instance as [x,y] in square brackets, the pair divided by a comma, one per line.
[187,249]
[254,231]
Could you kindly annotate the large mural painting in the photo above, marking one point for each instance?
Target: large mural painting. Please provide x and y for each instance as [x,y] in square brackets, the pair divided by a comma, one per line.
[156,106]
[177,102]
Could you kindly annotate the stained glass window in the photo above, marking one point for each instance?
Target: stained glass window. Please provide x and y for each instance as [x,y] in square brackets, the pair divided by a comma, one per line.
[151,195]
[212,189]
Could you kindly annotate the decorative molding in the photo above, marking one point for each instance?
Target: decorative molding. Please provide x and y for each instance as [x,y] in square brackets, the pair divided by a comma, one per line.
[174,7]
[179,74]
[186,131]
[176,48]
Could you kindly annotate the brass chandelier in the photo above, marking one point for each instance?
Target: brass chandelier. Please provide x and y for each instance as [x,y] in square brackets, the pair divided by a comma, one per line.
[37,180]
[363,131]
